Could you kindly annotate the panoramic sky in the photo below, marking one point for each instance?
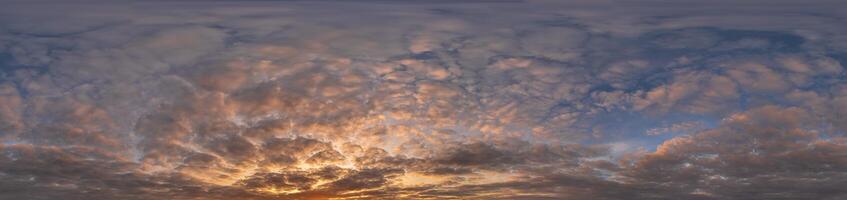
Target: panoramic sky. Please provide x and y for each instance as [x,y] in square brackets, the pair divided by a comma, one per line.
[423,99]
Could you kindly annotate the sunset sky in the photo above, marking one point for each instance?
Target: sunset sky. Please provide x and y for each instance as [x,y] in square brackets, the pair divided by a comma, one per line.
[423,99]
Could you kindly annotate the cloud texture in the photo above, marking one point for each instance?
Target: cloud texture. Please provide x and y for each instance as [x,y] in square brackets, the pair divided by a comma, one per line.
[422,100]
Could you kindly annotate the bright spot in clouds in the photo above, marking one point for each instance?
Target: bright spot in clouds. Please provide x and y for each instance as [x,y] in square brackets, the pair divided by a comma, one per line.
[428,99]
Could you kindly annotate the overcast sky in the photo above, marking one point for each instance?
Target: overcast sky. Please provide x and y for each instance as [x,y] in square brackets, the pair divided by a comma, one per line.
[423,99]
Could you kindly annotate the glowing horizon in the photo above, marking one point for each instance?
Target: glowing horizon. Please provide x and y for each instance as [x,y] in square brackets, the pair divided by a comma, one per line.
[423,99]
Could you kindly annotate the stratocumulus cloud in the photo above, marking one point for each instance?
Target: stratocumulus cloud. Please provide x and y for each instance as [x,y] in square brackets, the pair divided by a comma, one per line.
[423,99]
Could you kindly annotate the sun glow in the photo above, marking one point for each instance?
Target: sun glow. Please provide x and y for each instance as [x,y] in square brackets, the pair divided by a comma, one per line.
[277,191]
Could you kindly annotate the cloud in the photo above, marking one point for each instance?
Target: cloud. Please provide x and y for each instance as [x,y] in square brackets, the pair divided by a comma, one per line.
[421,100]
[765,153]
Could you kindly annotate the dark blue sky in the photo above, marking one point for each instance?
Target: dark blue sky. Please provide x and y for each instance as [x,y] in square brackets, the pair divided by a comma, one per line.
[422,99]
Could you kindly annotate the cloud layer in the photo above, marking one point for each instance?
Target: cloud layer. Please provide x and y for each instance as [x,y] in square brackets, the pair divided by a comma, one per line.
[422,100]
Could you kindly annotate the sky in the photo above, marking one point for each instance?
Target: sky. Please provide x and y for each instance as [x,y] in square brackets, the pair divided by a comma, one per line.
[423,99]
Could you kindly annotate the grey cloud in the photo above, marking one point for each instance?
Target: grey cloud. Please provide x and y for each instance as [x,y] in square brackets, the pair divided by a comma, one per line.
[279,181]
[420,100]
[765,153]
